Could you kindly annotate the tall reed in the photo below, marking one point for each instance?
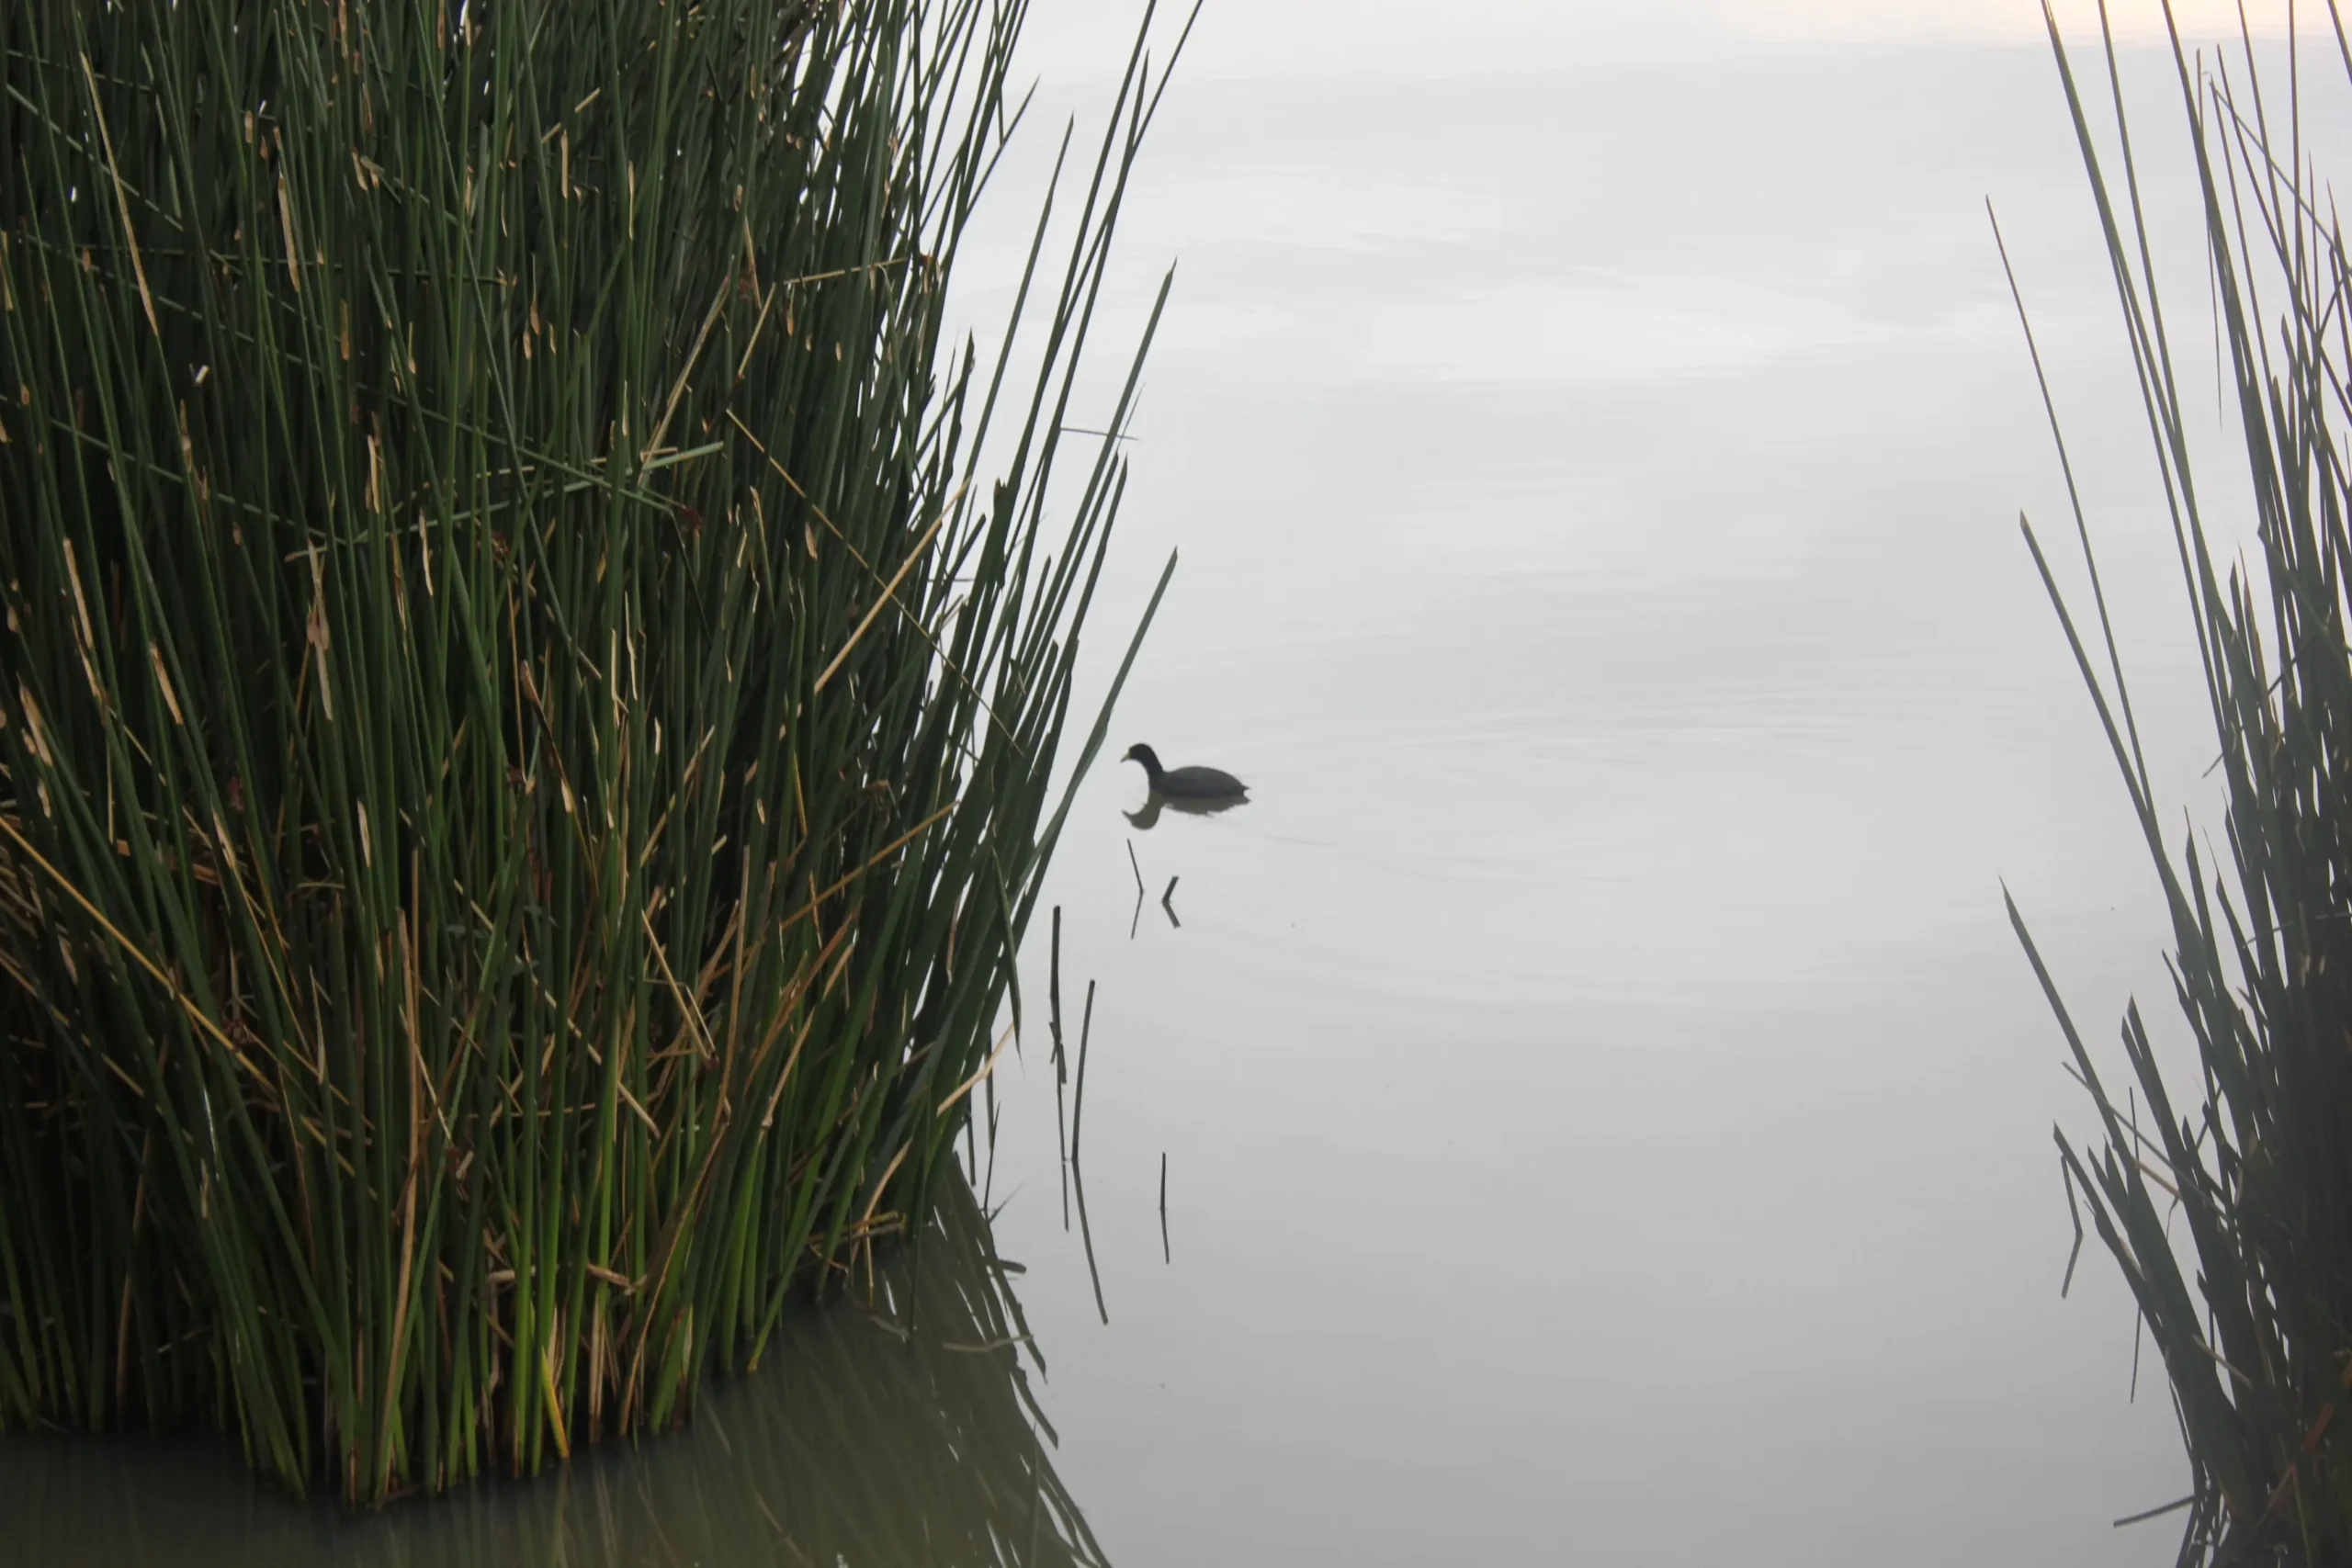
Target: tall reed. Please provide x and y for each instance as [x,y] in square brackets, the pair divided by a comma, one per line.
[2248,1298]
[526,729]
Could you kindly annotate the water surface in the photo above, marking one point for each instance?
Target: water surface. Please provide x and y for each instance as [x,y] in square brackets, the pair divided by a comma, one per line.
[1607,1115]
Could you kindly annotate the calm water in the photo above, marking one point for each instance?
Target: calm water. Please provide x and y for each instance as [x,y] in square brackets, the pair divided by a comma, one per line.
[1605,1115]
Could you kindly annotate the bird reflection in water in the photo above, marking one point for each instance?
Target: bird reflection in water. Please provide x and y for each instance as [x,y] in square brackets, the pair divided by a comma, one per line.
[1189,805]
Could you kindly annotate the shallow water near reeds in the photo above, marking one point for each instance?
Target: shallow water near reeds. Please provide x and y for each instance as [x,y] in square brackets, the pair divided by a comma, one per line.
[1603,1114]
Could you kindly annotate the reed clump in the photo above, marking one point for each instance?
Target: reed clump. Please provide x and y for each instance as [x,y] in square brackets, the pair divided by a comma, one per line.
[2226,1195]
[525,730]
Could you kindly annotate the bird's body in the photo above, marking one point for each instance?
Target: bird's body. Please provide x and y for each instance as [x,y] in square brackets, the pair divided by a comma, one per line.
[1187,783]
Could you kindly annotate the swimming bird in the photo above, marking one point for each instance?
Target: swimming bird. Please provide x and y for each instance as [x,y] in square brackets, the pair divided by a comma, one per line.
[1195,784]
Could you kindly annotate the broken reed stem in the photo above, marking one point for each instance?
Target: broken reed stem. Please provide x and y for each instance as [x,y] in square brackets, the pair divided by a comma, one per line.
[1078,1100]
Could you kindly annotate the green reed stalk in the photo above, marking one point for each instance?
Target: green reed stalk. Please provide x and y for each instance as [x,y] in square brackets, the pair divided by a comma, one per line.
[524,731]
[2252,1157]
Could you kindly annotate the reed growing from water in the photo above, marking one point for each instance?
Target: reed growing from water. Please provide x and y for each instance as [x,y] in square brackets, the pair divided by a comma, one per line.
[903,1428]
[526,726]
[2226,1196]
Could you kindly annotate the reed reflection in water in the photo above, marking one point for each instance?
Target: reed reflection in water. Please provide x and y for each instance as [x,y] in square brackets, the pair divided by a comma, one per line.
[903,1431]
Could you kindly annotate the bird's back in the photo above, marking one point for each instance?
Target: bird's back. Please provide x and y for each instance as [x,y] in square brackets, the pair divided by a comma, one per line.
[1200,782]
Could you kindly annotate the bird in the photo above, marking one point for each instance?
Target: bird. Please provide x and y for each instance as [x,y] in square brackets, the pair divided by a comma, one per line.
[1193,784]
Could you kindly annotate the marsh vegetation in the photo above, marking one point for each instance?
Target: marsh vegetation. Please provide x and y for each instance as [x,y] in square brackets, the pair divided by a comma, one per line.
[2224,1192]
[531,675]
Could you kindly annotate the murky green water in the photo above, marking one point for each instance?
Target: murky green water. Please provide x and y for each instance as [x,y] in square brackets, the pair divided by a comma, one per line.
[1604,1115]
[901,1425]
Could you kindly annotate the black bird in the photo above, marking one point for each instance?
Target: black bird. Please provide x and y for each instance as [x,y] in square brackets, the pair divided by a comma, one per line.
[1190,784]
